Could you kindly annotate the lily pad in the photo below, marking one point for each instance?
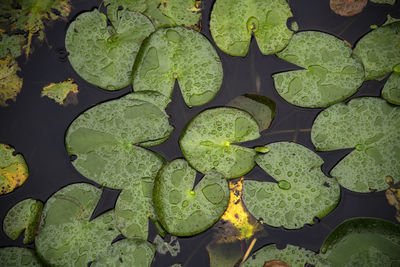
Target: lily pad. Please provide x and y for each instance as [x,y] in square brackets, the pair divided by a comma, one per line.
[185,210]
[127,252]
[162,13]
[11,45]
[156,98]
[292,255]
[347,8]
[390,2]
[104,55]
[260,107]
[330,73]
[10,82]
[300,193]
[370,125]
[19,257]
[13,169]
[66,237]
[25,215]
[59,92]
[363,242]
[391,90]
[182,54]
[207,138]
[234,22]
[102,139]
[379,50]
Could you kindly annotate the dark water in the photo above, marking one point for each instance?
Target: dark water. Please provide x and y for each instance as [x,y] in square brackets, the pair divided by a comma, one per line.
[36,126]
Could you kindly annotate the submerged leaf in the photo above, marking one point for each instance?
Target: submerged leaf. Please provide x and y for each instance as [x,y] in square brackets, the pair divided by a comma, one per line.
[363,242]
[182,209]
[182,54]
[234,22]
[127,252]
[347,7]
[224,254]
[300,193]
[59,92]
[19,257]
[206,141]
[172,247]
[13,169]
[391,90]
[66,237]
[24,216]
[330,73]
[371,126]
[104,55]
[393,195]
[10,83]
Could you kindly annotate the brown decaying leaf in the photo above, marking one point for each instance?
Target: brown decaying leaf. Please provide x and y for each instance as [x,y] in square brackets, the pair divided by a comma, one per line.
[347,7]
[276,263]
[10,83]
[393,195]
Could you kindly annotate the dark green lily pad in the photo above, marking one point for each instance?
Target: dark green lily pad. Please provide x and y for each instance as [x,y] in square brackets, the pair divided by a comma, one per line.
[24,216]
[19,257]
[102,139]
[163,14]
[371,126]
[127,252]
[66,237]
[379,50]
[182,54]
[363,242]
[182,209]
[391,90]
[292,255]
[330,72]
[301,192]
[207,138]
[260,107]
[104,55]
[156,98]
[234,22]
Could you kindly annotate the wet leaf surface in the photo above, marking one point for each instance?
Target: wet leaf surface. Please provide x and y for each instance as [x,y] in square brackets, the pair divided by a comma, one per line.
[233,23]
[11,45]
[330,73]
[127,252]
[393,195]
[207,141]
[182,54]
[391,89]
[183,209]
[19,257]
[66,237]
[300,193]
[10,82]
[24,216]
[370,125]
[156,98]
[163,13]
[59,92]
[104,55]
[13,169]
[347,7]
[363,242]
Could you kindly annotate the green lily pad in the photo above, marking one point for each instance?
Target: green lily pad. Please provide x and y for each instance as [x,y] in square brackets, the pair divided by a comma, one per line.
[127,252]
[330,72]
[182,54]
[156,98]
[390,2]
[379,50]
[66,237]
[234,22]
[163,14]
[260,107]
[182,209]
[292,255]
[104,55]
[391,90]
[19,257]
[206,141]
[371,126]
[102,139]
[25,215]
[363,242]
[300,193]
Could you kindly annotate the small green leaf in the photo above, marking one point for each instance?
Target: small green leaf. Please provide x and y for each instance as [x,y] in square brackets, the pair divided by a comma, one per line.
[234,22]
[370,125]
[19,257]
[10,82]
[62,92]
[25,215]
[330,73]
[182,54]
[363,242]
[156,98]
[182,209]
[104,55]
[390,2]
[11,45]
[300,193]
[163,247]
[207,141]
[391,90]
[127,252]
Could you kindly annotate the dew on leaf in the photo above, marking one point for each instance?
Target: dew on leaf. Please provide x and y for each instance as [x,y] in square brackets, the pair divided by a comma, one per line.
[21,257]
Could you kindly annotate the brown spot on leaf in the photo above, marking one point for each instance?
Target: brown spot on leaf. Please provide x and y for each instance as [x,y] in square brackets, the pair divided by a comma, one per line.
[276,263]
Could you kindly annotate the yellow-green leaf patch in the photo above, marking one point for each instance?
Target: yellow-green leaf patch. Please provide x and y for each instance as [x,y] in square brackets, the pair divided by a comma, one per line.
[59,92]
